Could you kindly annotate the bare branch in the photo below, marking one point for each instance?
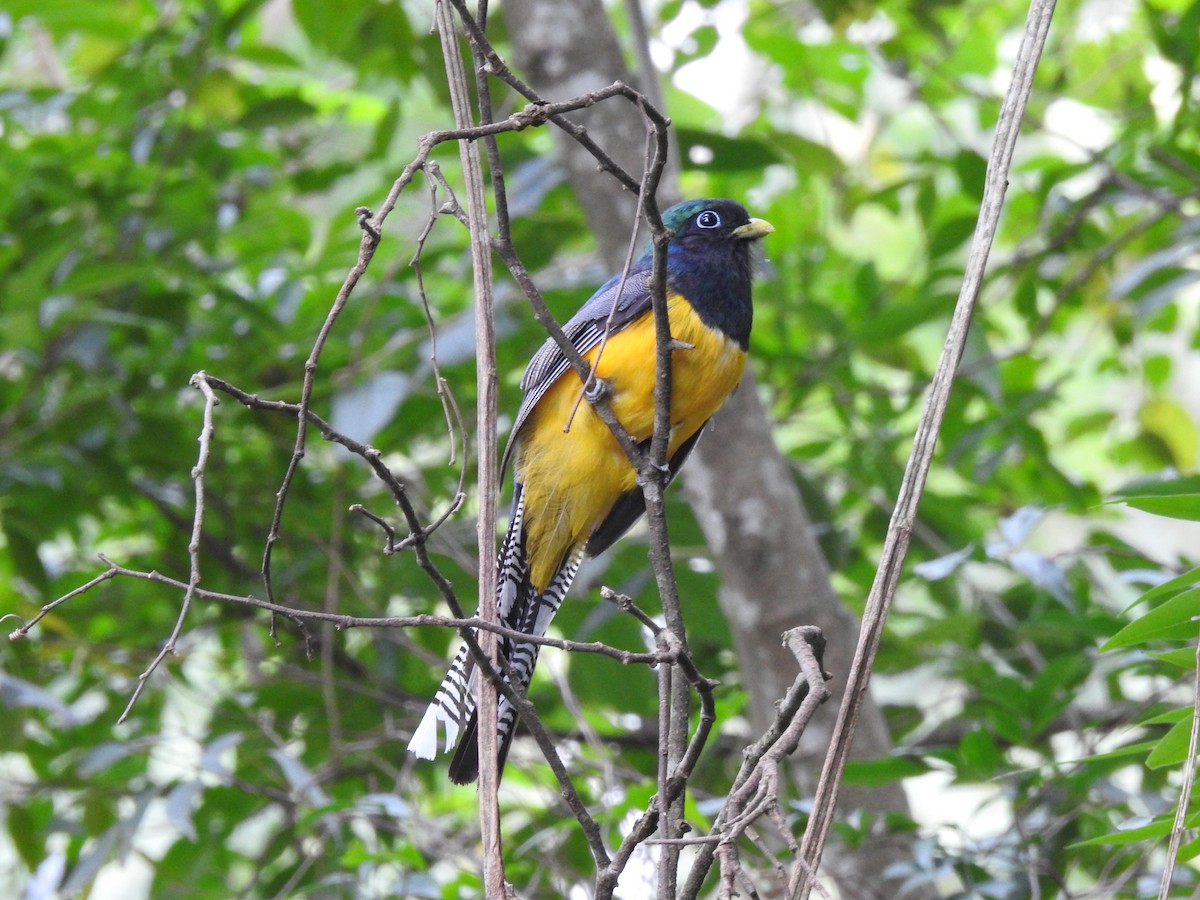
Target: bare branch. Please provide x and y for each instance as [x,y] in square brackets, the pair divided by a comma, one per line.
[26,627]
[485,438]
[418,534]
[1185,790]
[887,576]
[755,789]
[344,622]
[189,593]
[449,406]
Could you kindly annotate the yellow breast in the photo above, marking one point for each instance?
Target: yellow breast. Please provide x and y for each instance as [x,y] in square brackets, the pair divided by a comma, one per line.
[571,480]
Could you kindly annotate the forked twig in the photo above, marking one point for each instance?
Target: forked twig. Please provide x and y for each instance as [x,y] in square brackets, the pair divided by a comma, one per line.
[755,788]
[189,593]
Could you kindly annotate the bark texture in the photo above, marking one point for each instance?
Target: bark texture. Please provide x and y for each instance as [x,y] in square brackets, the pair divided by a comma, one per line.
[774,575]
[567,49]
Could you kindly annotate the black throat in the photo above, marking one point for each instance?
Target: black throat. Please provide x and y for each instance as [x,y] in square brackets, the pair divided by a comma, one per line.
[715,277]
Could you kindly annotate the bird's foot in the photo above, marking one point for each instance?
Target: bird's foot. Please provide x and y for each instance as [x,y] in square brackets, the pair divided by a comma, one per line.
[596,390]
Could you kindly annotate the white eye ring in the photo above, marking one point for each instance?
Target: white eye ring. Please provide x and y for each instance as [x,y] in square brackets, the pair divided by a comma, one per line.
[708,219]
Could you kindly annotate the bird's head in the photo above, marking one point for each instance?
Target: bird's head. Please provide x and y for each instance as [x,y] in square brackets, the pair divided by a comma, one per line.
[705,220]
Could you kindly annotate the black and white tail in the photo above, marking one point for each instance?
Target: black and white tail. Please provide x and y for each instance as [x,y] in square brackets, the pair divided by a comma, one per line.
[522,609]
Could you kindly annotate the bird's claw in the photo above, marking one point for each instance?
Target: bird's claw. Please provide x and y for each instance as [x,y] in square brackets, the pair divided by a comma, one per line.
[662,469]
[596,390]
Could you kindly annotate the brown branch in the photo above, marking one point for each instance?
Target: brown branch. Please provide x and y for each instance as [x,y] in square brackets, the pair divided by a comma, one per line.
[343,622]
[367,244]
[50,607]
[672,788]
[646,188]
[535,114]
[494,65]
[487,698]
[449,405]
[900,529]
[651,466]
[189,593]
[795,711]
[418,533]
[654,475]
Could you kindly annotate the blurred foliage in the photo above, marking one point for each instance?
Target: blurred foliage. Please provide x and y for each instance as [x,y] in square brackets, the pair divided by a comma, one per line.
[177,193]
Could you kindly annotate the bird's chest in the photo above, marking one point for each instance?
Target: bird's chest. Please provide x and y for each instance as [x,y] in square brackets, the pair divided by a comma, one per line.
[702,375]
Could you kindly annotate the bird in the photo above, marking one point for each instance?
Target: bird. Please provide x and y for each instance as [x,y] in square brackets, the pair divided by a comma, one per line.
[575,491]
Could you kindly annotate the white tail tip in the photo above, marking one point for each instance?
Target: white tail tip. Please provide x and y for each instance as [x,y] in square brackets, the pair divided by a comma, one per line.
[424,740]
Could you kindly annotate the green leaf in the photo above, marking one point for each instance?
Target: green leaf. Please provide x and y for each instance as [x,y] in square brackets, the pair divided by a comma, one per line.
[277,111]
[1154,831]
[979,753]
[22,547]
[1189,849]
[1170,717]
[385,130]
[25,832]
[1170,422]
[951,234]
[1172,747]
[806,155]
[1178,506]
[99,277]
[972,170]
[714,152]
[1184,658]
[885,770]
[329,25]
[1171,587]
[1177,498]
[115,19]
[1172,621]
[1128,753]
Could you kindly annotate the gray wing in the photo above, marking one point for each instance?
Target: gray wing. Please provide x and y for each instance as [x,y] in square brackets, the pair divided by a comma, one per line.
[584,330]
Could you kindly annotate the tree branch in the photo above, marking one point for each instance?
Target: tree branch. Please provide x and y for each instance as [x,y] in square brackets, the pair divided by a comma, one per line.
[900,529]
[485,432]
[754,783]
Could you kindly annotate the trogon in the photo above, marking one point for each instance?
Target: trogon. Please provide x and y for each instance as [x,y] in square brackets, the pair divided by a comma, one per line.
[575,491]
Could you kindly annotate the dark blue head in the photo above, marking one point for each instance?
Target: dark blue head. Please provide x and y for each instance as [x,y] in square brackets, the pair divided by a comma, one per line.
[710,261]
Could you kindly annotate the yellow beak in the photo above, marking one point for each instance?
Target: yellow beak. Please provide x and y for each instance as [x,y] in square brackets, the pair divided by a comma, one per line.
[755,228]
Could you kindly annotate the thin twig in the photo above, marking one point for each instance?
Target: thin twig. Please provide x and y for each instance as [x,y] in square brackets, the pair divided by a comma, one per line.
[189,593]
[654,475]
[1185,789]
[487,698]
[449,407]
[50,607]
[367,244]
[418,532]
[343,622]
[587,388]
[795,711]
[645,825]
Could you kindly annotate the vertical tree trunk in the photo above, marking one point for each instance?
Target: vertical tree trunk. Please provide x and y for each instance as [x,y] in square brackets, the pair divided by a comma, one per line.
[774,575]
[565,49]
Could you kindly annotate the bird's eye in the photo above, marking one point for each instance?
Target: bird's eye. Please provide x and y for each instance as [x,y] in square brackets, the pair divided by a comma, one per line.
[708,219]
